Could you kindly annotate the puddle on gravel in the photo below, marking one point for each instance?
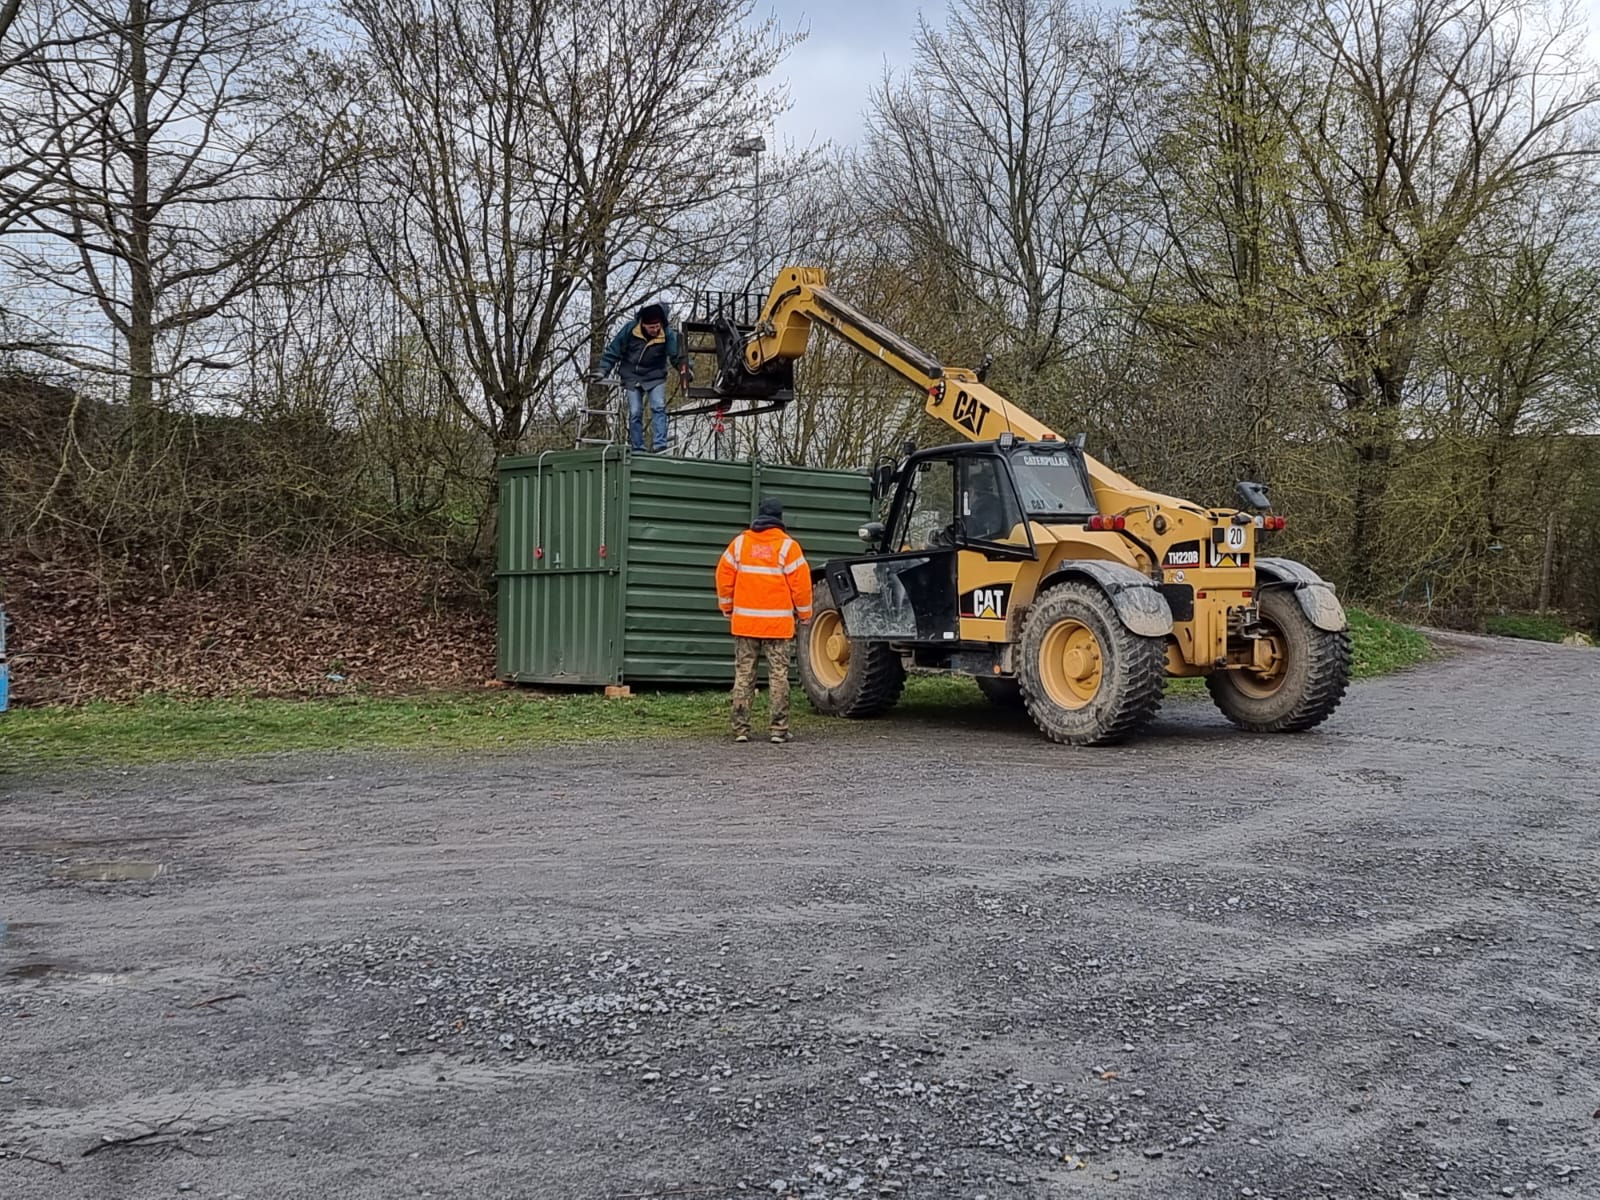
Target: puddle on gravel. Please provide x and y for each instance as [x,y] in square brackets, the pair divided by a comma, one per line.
[66,974]
[111,872]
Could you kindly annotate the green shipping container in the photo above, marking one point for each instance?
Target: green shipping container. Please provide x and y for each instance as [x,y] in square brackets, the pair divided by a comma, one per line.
[608,559]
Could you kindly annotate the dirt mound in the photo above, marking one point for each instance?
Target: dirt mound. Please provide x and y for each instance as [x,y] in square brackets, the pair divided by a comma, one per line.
[365,621]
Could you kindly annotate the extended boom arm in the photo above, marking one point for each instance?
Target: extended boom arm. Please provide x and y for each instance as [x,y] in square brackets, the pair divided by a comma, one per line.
[800,298]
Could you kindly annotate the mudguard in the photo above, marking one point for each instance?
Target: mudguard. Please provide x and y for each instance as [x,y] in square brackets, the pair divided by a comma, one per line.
[1139,605]
[1315,594]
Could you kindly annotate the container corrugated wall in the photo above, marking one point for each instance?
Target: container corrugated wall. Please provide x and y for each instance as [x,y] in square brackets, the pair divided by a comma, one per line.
[560,569]
[646,611]
[682,514]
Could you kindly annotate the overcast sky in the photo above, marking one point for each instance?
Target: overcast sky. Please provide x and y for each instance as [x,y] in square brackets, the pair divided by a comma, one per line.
[830,74]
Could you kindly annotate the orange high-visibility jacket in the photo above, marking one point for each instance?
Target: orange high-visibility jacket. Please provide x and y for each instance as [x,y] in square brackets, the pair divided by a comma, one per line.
[762,582]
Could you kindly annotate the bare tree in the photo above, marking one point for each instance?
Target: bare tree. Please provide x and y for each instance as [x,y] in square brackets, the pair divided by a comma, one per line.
[538,161]
[993,159]
[1193,244]
[1503,382]
[28,34]
[167,169]
[1414,122]
[1320,177]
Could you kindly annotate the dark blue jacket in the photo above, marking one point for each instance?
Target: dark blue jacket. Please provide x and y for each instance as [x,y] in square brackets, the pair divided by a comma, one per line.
[642,361]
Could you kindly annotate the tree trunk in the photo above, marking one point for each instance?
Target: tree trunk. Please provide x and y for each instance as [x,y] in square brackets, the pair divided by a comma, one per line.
[142,293]
[1372,485]
[1547,568]
[507,438]
[593,426]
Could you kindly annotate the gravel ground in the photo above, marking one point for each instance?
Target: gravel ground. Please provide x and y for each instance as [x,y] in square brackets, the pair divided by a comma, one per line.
[894,959]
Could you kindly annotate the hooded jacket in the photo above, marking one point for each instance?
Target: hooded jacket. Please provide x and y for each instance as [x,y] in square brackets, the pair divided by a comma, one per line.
[763,582]
[641,360]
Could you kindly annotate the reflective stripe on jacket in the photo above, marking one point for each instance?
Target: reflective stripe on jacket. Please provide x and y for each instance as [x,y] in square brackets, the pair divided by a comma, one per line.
[762,582]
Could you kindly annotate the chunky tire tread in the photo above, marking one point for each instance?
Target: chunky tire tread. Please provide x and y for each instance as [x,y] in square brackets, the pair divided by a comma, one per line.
[1134,670]
[1316,685]
[871,687]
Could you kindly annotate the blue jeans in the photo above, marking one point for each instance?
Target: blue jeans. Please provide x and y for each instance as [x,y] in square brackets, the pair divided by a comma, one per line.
[657,392]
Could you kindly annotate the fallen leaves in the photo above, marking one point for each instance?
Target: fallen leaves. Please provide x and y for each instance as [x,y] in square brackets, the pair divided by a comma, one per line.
[372,622]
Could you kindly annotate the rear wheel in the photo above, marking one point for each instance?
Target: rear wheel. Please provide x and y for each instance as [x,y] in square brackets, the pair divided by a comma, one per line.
[1300,675]
[1000,691]
[1087,680]
[845,678]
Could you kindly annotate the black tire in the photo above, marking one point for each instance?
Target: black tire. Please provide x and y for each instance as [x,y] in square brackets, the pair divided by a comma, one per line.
[1000,691]
[1304,693]
[1124,689]
[869,685]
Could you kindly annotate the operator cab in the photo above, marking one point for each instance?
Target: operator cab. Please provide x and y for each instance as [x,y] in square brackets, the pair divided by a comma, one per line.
[1052,481]
[977,497]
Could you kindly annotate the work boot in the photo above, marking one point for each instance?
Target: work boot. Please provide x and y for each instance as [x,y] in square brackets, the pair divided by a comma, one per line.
[741,737]
[780,736]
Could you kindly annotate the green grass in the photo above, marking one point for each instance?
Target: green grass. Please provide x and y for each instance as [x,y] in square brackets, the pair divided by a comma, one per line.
[1534,627]
[167,730]
[157,729]
[1378,647]
[160,729]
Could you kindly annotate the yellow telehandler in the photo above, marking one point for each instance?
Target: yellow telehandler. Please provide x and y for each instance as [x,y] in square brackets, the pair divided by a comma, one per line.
[1016,558]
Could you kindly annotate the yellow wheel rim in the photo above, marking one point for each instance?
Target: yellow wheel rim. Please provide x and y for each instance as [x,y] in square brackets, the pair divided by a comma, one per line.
[1266,676]
[1071,663]
[830,649]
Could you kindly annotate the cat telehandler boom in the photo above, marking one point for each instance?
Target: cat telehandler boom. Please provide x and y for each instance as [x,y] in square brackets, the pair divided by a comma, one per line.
[1015,557]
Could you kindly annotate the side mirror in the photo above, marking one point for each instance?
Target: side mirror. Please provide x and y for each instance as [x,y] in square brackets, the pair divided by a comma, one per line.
[1254,495]
[872,532]
[882,480]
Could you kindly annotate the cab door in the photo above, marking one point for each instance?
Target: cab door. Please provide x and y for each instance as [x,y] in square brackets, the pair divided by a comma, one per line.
[909,593]
[994,537]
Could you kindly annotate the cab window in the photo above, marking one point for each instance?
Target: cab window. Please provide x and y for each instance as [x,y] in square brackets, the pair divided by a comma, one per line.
[988,503]
[928,512]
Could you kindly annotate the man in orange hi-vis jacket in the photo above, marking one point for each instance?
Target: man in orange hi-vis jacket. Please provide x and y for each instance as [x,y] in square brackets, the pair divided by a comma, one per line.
[762,583]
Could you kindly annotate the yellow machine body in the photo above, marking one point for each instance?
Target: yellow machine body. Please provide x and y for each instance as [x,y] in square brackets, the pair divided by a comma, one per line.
[1211,550]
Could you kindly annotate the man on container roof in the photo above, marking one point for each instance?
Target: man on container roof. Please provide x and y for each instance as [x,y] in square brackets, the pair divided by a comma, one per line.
[640,352]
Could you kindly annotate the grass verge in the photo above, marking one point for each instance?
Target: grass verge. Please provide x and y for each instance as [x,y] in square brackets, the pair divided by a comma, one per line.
[1534,627]
[167,730]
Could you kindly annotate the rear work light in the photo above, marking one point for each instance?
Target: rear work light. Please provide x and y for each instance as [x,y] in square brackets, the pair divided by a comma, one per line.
[1107,523]
[1272,522]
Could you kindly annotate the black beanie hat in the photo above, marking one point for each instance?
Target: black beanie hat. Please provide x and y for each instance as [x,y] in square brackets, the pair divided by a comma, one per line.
[772,507]
[652,314]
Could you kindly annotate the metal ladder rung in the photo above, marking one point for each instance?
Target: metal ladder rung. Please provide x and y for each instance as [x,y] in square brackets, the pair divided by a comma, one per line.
[610,418]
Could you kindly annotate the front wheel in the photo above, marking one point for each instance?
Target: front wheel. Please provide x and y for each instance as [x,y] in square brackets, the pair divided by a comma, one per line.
[1087,679]
[842,677]
[1299,677]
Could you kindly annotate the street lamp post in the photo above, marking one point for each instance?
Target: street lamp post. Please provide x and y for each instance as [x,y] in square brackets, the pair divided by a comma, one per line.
[753,147]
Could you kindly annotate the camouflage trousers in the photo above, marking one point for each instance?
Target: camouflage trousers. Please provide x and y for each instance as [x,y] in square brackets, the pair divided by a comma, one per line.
[746,650]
